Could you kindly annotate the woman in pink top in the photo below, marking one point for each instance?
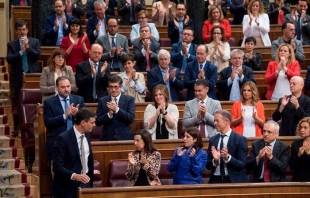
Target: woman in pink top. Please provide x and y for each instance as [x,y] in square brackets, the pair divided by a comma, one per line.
[76,45]
[215,17]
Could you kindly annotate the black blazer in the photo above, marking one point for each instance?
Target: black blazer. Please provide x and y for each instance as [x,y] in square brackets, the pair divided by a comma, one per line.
[124,11]
[67,161]
[54,121]
[91,26]
[238,149]
[15,60]
[278,164]
[236,8]
[173,33]
[191,75]
[273,11]
[140,58]
[84,81]
[255,63]
[307,81]
[155,77]
[117,127]
[90,10]
[222,86]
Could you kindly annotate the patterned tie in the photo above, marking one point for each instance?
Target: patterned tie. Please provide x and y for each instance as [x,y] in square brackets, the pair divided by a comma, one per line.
[298,28]
[222,170]
[83,160]
[69,119]
[266,168]
[25,62]
[94,82]
[115,99]
[202,126]
[115,61]
[200,66]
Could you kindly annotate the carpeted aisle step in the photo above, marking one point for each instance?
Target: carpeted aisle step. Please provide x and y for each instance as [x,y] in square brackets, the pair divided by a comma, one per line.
[8,152]
[5,129]
[6,141]
[9,164]
[12,177]
[18,190]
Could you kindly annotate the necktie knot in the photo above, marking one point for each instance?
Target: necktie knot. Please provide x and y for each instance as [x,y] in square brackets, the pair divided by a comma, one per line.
[200,66]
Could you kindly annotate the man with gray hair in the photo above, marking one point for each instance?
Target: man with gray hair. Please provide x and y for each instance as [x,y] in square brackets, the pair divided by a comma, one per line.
[233,77]
[268,157]
[292,108]
[166,75]
[145,50]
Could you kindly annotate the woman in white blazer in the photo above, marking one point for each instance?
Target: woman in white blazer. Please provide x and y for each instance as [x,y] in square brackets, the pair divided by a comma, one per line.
[256,24]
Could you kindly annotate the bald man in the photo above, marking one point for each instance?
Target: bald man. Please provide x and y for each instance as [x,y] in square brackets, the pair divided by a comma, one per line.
[92,76]
[292,108]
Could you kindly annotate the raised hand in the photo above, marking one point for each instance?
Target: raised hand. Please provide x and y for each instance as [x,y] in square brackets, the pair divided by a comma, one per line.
[92,69]
[285,100]
[256,21]
[184,49]
[166,77]
[84,37]
[56,23]
[192,152]
[224,152]
[216,153]
[113,50]
[239,71]
[71,39]
[131,159]
[143,158]
[172,73]
[293,15]
[181,151]
[268,151]
[186,20]
[64,20]
[254,113]
[201,74]
[120,50]
[104,67]
[294,101]
[176,24]
[98,27]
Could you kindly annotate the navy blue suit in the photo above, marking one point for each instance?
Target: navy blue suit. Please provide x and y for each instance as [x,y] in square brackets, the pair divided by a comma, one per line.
[67,161]
[54,121]
[50,35]
[91,26]
[238,149]
[225,74]
[155,77]
[177,57]
[173,33]
[191,75]
[117,127]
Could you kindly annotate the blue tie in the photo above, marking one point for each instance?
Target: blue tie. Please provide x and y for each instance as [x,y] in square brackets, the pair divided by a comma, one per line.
[25,62]
[115,61]
[222,170]
[200,66]
[184,63]
[69,119]
[298,28]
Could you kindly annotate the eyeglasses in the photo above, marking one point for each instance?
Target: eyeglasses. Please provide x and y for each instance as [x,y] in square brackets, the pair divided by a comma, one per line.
[303,127]
[141,18]
[114,87]
[217,33]
[187,34]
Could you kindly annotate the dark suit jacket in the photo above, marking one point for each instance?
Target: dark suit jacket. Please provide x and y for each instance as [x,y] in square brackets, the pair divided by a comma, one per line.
[222,86]
[17,2]
[84,81]
[50,35]
[140,58]
[177,57]
[307,81]
[90,10]
[53,119]
[300,165]
[173,33]
[236,8]
[305,30]
[124,11]
[237,148]
[291,116]
[91,26]
[191,75]
[117,127]
[155,77]
[15,60]
[255,63]
[67,161]
[278,164]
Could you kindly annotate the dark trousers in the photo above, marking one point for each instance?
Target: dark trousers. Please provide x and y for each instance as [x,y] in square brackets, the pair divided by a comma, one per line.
[219,179]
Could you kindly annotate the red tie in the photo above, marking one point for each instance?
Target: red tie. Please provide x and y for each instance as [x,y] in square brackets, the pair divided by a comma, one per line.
[22,2]
[202,127]
[147,58]
[266,169]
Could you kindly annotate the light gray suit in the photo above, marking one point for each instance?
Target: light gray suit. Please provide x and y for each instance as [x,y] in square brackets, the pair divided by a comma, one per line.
[305,30]
[190,114]
[120,41]
[299,51]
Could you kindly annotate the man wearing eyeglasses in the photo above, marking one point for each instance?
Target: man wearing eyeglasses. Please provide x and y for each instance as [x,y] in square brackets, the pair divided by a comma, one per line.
[269,157]
[176,26]
[115,112]
[184,51]
[128,9]
[234,76]
[115,46]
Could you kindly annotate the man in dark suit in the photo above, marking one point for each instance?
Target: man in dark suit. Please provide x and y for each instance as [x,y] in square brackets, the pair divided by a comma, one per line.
[178,24]
[200,69]
[291,109]
[110,5]
[238,8]
[145,50]
[184,51]
[91,76]
[56,26]
[227,152]
[301,21]
[58,112]
[166,75]
[115,112]
[96,24]
[233,77]
[115,46]
[128,9]
[22,55]
[268,157]
[73,162]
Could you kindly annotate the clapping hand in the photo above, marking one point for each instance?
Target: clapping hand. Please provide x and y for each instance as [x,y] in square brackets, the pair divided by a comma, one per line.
[172,74]
[181,151]
[131,159]
[294,101]
[104,67]
[216,153]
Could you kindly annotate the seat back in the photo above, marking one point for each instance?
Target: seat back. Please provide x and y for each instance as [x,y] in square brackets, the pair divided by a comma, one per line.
[95,134]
